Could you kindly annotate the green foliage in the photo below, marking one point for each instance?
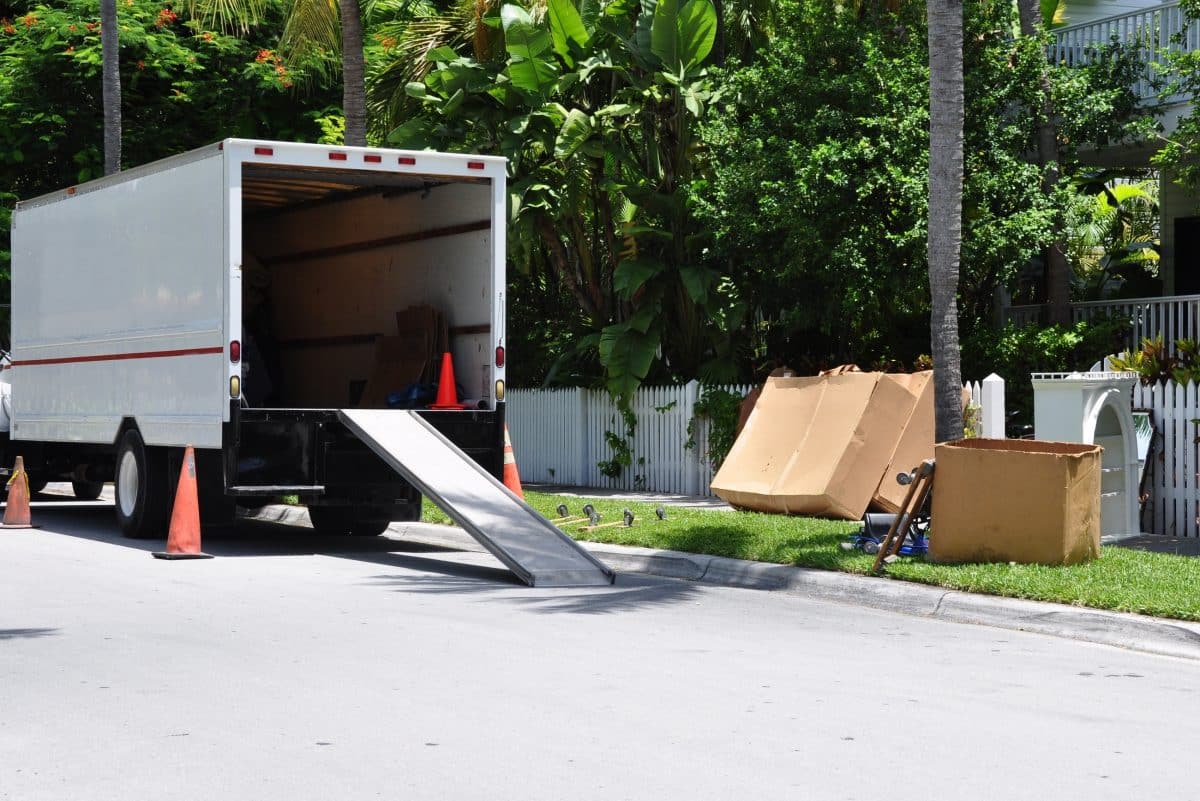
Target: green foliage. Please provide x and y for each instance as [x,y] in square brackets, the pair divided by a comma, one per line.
[1113,235]
[817,183]
[721,408]
[621,446]
[1013,353]
[596,109]
[1178,155]
[817,193]
[1155,363]
[182,87]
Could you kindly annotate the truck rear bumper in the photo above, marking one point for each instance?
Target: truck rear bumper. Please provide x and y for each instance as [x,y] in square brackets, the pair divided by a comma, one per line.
[311,453]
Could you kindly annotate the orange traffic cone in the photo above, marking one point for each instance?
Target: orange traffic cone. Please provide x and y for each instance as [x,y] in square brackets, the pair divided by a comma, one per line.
[447,396]
[512,478]
[16,511]
[183,538]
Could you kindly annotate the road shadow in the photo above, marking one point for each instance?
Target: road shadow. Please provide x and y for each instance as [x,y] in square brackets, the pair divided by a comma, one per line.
[459,573]
[242,539]
[13,634]
[629,593]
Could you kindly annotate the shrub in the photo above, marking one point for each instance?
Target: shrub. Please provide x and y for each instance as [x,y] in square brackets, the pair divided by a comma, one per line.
[1013,353]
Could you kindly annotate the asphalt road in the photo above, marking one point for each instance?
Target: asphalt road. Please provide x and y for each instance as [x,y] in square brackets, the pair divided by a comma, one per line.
[299,667]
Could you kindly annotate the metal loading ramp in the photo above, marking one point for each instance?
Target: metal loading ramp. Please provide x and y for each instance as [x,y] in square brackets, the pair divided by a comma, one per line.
[529,544]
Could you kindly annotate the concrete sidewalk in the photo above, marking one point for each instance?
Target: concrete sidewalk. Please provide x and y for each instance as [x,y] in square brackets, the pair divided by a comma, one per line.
[1136,632]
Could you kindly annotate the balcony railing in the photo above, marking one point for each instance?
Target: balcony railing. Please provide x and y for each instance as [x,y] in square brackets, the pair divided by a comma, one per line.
[1151,31]
[1176,317]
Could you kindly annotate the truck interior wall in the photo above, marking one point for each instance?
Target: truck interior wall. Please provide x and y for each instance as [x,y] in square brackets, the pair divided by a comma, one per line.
[327,308]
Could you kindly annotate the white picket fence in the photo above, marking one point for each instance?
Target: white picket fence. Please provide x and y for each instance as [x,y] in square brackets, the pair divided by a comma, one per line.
[1171,476]
[559,437]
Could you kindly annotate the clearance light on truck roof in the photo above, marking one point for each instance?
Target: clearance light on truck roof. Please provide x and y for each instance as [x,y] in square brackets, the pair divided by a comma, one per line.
[235,386]
[335,156]
[235,351]
[499,355]
[264,151]
[406,160]
[371,158]
[499,390]
[474,165]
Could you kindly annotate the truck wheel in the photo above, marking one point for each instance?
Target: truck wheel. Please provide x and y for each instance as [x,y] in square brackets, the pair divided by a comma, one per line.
[346,520]
[142,488]
[37,484]
[87,490]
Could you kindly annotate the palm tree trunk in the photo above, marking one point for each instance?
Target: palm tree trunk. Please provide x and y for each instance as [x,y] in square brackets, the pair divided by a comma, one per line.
[1058,271]
[945,209]
[110,80]
[354,102]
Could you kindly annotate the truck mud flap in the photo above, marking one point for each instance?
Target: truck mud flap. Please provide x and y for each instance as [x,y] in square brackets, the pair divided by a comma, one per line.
[537,552]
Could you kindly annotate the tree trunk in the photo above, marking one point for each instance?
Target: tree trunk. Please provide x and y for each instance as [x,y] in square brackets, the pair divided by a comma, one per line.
[110,81]
[354,97]
[1058,271]
[945,209]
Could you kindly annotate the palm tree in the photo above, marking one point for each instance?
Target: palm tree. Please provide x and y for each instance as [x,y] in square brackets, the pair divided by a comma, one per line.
[945,208]
[110,72]
[333,26]
[322,26]
[421,27]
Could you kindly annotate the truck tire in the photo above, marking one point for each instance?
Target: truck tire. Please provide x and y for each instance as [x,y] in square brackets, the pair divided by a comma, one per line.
[37,484]
[142,488]
[347,520]
[87,490]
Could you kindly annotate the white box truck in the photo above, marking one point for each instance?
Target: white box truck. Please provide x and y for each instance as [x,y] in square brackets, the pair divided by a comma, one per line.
[245,298]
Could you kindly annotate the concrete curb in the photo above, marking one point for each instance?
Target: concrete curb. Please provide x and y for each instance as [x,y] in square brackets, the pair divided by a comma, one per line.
[1135,632]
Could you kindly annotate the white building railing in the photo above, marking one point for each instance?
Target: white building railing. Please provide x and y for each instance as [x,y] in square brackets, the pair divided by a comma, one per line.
[1174,318]
[1150,30]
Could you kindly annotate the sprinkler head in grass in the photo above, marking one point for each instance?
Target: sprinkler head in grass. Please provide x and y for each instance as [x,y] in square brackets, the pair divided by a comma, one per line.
[594,517]
[589,510]
[562,510]
[628,516]
[661,513]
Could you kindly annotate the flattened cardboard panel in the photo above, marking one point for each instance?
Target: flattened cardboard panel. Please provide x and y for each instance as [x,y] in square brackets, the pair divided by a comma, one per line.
[399,361]
[870,451]
[1019,500]
[815,445]
[916,441]
[774,433]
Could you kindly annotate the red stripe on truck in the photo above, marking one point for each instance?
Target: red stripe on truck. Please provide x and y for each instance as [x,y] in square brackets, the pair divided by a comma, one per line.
[113,357]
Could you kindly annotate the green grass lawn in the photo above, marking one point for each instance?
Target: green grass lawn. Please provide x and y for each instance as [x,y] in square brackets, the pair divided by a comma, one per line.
[1124,580]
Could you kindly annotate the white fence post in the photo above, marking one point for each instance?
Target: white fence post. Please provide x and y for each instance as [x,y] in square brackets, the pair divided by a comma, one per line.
[993,411]
[584,436]
[692,457]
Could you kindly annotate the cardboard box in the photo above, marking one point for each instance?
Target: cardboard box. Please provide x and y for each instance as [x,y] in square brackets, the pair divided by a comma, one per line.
[816,445]
[916,440]
[1016,500]
[416,322]
[399,361]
